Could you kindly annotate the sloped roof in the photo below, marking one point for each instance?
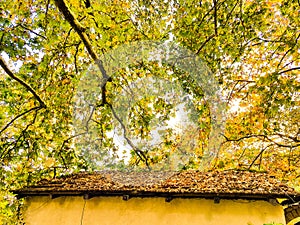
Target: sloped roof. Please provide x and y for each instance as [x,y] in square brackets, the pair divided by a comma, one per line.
[223,184]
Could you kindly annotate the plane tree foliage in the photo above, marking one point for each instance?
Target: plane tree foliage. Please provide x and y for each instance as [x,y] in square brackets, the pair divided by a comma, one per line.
[251,48]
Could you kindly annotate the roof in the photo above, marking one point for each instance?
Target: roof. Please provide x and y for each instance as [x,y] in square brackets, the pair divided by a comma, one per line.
[220,184]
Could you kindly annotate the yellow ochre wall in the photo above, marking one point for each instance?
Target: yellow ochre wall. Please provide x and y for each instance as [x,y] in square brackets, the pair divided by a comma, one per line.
[148,211]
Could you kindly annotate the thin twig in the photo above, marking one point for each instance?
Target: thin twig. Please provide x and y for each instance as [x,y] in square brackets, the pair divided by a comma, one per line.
[31,31]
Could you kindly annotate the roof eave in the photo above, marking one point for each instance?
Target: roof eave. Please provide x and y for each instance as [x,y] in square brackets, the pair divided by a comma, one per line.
[170,195]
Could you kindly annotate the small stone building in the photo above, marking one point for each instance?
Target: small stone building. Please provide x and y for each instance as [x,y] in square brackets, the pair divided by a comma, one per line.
[148,198]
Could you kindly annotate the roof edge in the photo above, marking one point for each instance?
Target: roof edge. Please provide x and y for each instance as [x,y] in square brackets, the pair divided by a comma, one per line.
[135,194]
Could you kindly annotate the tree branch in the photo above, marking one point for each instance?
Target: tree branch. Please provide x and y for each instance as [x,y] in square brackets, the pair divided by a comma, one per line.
[234,86]
[70,17]
[27,86]
[260,136]
[287,52]
[1,39]
[139,152]
[75,56]
[215,17]
[22,135]
[18,116]
[204,43]
[260,153]
[288,70]
[295,139]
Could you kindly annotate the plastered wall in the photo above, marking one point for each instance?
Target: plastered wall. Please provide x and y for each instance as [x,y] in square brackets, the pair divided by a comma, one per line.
[148,211]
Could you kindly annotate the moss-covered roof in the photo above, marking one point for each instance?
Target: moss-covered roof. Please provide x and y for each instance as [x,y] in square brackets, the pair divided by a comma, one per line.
[224,184]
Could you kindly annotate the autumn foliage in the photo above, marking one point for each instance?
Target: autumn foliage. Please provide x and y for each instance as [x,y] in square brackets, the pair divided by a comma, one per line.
[251,48]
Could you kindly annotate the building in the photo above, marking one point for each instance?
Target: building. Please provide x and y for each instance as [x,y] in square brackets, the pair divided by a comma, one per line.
[147,198]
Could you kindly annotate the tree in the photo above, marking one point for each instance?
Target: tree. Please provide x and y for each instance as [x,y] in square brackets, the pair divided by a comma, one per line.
[257,63]
[251,47]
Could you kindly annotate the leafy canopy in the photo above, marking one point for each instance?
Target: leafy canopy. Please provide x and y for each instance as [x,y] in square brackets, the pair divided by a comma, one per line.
[251,47]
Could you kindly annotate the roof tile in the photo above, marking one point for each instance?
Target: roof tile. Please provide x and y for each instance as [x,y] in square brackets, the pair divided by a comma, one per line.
[225,183]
